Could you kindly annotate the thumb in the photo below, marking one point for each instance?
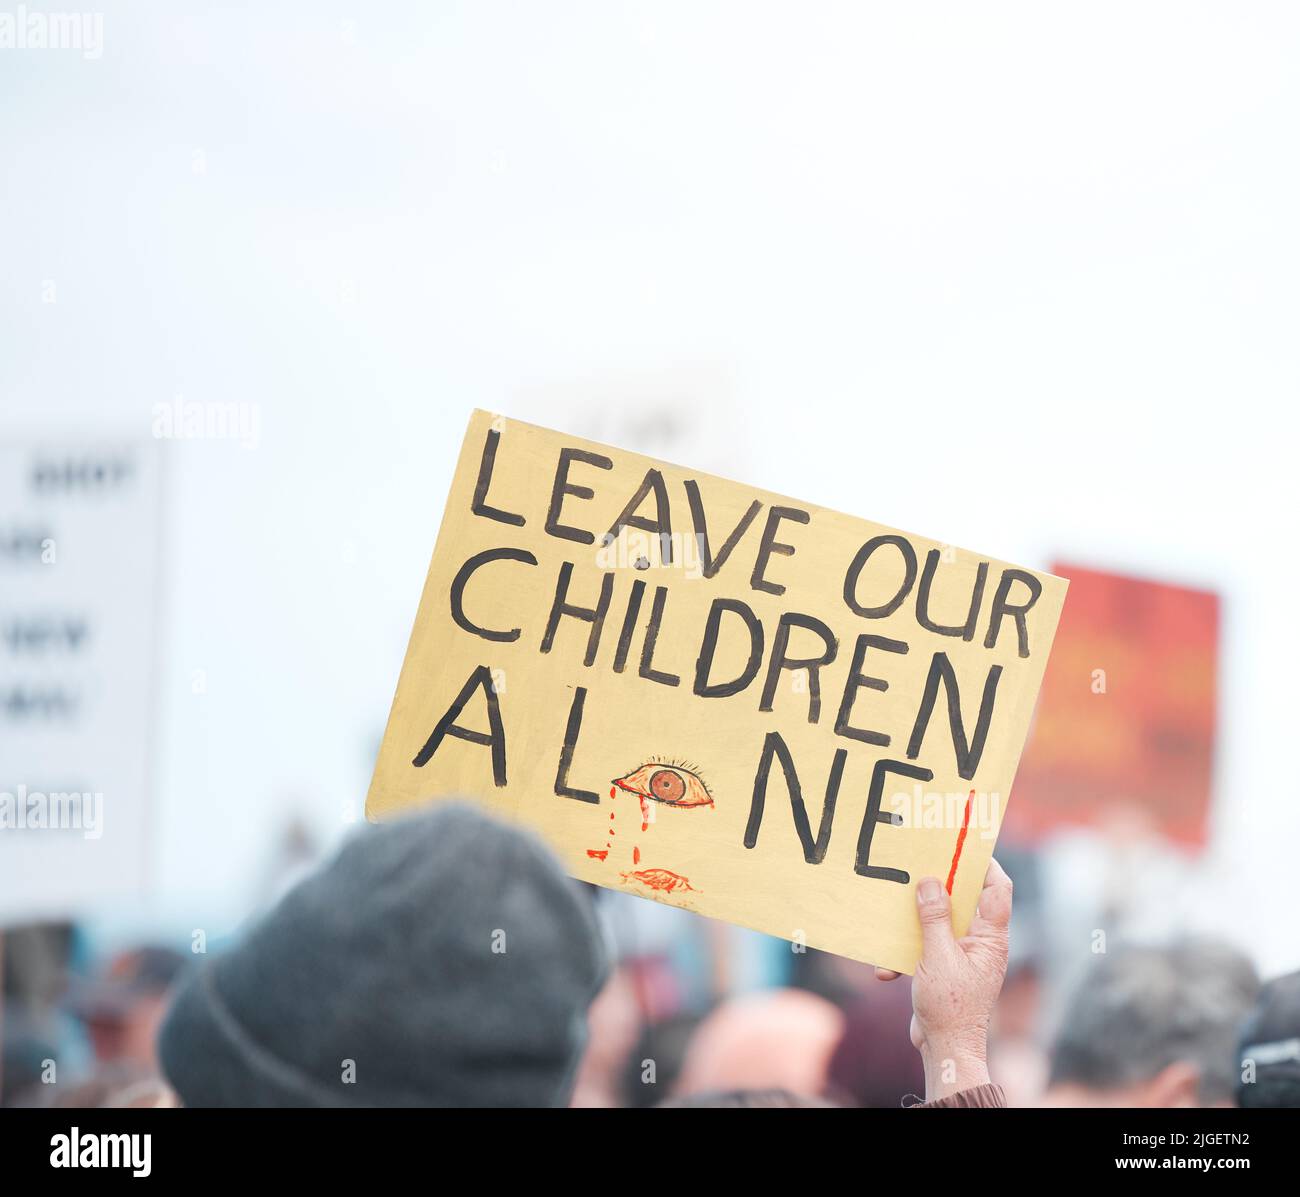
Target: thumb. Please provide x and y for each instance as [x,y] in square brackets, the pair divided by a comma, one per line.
[935,910]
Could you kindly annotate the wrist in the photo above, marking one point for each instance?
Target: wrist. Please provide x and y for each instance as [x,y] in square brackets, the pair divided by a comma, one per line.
[954,1062]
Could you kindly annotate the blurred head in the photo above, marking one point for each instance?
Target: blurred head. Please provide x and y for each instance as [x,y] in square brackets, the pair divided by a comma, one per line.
[780,1040]
[1151,1026]
[443,959]
[1017,1057]
[1269,1072]
[613,1024]
[123,1007]
[874,1065]
[655,1062]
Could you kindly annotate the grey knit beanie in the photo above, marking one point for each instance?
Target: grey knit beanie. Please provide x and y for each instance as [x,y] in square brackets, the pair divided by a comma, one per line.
[443,959]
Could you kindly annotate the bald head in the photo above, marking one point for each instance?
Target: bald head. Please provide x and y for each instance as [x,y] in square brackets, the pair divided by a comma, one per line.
[782,1039]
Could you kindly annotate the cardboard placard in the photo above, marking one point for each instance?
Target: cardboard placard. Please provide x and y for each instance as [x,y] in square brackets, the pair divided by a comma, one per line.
[703,693]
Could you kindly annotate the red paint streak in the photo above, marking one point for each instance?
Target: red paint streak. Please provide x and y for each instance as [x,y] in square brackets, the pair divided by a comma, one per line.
[612,791]
[598,853]
[636,856]
[961,840]
[611,813]
[659,879]
[645,812]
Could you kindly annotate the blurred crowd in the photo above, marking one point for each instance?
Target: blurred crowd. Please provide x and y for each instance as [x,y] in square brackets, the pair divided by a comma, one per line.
[445,960]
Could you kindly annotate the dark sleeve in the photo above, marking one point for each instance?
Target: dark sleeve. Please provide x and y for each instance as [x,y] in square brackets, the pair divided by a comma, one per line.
[982,1097]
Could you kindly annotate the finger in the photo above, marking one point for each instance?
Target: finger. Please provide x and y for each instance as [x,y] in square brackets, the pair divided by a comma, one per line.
[887,974]
[935,910]
[995,898]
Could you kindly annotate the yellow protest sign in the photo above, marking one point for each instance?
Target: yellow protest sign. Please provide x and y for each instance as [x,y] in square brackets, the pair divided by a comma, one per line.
[706,694]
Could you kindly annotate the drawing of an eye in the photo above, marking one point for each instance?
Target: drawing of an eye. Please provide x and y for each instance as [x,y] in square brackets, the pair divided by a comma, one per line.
[672,784]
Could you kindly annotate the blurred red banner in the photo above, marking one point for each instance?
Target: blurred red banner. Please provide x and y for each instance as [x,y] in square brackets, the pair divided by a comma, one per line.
[1126,716]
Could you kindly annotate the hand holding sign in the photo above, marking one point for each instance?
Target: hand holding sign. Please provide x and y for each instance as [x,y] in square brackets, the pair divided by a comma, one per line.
[648,664]
[957,983]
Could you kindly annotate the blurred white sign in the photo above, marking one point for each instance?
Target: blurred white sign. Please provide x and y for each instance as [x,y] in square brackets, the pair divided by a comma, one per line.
[79,530]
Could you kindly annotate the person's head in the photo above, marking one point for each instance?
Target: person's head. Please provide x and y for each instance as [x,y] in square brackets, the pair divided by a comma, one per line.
[442,959]
[655,1062]
[875,1066]
[123,1006]
[1153,1026]
[782,1039]
[613,1024]
[1269,1056]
